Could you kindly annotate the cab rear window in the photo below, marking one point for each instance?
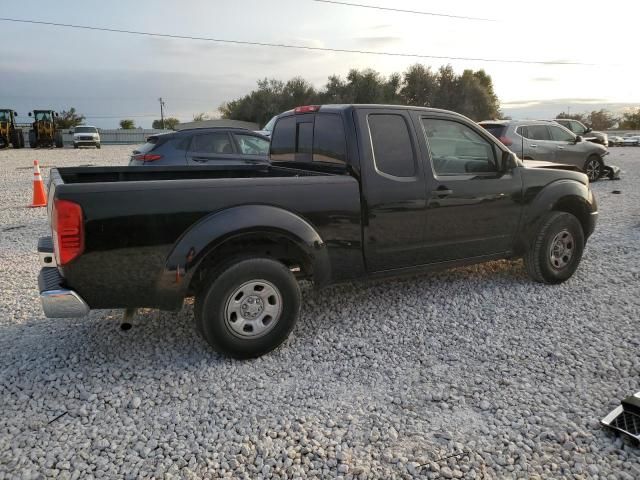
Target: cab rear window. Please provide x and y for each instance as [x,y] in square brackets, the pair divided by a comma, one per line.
[315,138]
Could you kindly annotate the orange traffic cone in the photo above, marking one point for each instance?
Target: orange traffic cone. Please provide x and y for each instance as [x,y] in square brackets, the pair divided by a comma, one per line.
[39,194]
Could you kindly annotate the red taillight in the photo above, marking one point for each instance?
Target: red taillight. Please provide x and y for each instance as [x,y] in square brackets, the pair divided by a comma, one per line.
[147,157]
[505,141]
[307,109]
[68,230]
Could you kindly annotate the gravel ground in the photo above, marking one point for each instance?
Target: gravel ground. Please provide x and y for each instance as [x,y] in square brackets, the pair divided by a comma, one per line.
[470,373]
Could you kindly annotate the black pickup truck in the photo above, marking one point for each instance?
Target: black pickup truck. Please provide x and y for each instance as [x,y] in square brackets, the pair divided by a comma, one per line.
[352,191]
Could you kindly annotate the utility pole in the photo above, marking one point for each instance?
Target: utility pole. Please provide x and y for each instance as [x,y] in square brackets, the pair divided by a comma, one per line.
[161,112]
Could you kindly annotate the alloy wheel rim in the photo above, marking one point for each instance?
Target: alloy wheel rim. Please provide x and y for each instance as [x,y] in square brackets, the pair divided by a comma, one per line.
[253,309]
[593,169]
[561,250]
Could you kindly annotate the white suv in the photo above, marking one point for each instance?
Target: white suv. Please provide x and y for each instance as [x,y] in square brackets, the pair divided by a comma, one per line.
[86,136]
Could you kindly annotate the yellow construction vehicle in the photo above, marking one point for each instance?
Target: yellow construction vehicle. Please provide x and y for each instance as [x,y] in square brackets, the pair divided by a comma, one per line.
[43,131]
[10,134]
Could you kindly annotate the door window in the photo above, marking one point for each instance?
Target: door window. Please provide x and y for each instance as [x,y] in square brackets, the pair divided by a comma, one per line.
[218,142]
[328,139]
[561,135]
[252,145]
[456,149]
[392,147]
[537,132]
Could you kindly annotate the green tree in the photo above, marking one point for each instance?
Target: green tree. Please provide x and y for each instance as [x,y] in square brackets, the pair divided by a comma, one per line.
[200,117]
[69,119]
[476,98]
[581,117]
[419,86]
[471,93]
[169,123]
[630,120]
[601,119]
[127,124]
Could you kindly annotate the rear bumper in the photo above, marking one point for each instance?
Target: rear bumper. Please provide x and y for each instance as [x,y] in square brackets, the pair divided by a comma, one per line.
[57,300]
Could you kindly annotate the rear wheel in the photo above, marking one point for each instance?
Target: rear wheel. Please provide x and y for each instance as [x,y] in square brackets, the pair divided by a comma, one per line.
[556,250]
[248,308]
[593,168]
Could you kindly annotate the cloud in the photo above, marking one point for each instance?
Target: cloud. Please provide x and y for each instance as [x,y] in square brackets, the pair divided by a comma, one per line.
[377,41]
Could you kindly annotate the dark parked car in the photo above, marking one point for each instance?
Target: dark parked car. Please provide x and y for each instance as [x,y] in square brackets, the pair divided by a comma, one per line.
[203,146]
[352,192]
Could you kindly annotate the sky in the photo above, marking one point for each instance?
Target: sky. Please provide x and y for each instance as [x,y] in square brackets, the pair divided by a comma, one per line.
[111,76]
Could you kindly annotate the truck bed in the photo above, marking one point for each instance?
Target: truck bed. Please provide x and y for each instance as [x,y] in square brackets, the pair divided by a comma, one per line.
[74,175]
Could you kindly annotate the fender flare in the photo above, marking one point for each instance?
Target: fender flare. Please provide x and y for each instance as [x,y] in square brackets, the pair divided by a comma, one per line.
[203,237]
[548,199]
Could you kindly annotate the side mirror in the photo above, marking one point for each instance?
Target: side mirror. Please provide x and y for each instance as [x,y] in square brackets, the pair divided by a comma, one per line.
[578,139]
[70,132]
[588,129]
[56,114]
[509,161]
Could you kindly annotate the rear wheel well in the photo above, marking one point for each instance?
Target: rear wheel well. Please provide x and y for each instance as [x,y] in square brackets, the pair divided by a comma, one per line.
[278,246]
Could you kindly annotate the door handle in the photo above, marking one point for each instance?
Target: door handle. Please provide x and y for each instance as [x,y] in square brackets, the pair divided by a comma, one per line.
[533,146]
[441,192]
[199,159]
[560,148]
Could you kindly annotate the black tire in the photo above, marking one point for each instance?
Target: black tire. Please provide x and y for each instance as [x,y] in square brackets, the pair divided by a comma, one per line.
[593,167]
[547,264]
[214,305]
[75,145]
[15,139]
[98,146]
[3,143]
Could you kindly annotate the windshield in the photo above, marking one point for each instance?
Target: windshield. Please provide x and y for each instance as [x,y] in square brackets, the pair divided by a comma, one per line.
[5,115]
[270,124]
[85,130]
[43,116]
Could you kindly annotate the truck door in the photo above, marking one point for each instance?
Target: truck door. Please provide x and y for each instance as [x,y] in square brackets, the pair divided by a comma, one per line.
[473,206]
[394,201]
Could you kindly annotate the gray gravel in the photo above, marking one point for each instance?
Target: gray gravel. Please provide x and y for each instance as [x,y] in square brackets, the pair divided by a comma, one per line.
[470,373]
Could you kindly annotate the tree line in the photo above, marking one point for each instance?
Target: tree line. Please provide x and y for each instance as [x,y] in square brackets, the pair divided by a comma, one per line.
[604,120]
[470,93]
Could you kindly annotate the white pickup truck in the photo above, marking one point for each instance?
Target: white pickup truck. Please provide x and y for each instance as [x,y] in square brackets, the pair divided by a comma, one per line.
[86,136]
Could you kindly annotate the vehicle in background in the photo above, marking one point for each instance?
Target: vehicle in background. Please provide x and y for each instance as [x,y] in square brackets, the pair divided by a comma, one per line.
[585,132]
[550,142]
[615,141]
[44,132]
[203,146]
[268,128]
[85,136]
[10,134]
[352,192]
[630,140]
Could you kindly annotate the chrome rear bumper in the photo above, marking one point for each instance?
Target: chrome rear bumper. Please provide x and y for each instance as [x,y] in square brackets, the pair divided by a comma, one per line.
[57,300]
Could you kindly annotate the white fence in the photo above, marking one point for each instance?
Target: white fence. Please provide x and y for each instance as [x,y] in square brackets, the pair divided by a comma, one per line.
[108,136]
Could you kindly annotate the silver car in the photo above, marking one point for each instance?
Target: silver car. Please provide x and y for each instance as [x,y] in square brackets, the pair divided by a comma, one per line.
[549,141]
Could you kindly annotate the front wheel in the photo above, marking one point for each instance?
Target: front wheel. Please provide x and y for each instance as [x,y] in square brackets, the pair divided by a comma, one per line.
[593,168]
[248,308]
[556,250]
